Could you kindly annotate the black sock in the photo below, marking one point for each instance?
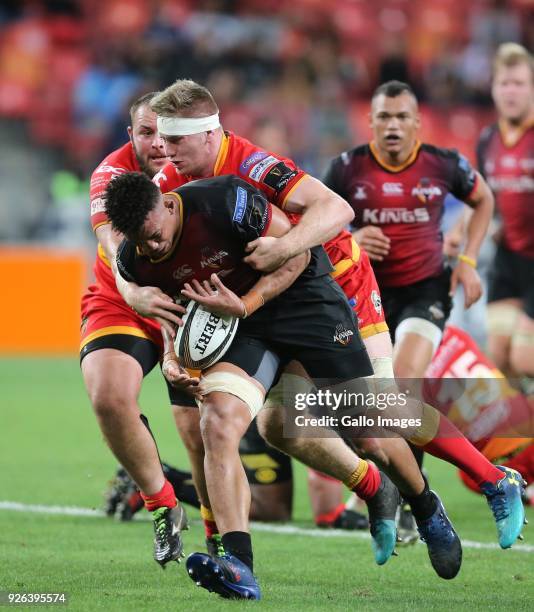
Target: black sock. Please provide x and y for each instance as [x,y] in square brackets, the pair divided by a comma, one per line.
[418,453]
[182,483]
[239,544]
[423,505]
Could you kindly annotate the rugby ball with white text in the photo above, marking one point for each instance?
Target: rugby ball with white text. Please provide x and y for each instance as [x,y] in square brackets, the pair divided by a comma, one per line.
[204,337]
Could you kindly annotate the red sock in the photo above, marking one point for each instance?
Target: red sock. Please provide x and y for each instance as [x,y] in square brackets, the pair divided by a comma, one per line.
[368,480]
[210,526]
[451,446]
[163,498]
[523,462]
[328,518]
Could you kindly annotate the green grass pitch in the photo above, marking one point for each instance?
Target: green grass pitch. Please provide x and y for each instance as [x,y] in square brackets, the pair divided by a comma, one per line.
[52,453]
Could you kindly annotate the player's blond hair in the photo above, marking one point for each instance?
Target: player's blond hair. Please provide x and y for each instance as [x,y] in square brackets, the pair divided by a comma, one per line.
[512,54]
[184,98]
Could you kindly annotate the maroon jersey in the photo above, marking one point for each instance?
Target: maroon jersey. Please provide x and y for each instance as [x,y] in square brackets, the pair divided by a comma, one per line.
[509,170]
[219,217]
[405,202]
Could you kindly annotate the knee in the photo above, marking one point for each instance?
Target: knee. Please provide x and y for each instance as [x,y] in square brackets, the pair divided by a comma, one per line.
[373,448]
[499,352]
[522,360]
[406,370]
[108,402]
[220,426]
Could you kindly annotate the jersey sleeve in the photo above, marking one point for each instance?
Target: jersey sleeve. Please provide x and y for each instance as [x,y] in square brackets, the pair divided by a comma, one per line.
[248,212]
[274,175]
[126,260]
[464,177]
[482,147]
[332,177]
[99,181]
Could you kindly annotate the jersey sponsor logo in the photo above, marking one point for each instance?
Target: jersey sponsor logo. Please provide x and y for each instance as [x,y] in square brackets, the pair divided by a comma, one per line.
[509,162]
[279,176]
[258,212]
[159,177]
[342,334]
[98,205]
[395,215]
[360,193]
[392,189]
[256,157]
[258,169]
[425,191]
[110,169]
[212,258]
[240,204]
[436,311]
[512,184]
[182,272]
[377,301]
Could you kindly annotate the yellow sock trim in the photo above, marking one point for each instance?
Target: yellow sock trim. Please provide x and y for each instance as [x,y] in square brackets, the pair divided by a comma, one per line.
[429,427]
[206,513]
[358,475]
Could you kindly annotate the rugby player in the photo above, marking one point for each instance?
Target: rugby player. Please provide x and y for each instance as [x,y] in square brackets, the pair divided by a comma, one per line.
[506,159]
[165,232]
[119,347]
[198,147]
[396,185]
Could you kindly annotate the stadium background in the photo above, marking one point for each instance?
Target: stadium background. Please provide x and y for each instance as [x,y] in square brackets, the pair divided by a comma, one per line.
[293,76]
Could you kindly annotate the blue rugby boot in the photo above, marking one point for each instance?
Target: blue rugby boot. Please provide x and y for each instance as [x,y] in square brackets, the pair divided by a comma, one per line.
[443,543]
[382,510]
[226,575]
[504,499]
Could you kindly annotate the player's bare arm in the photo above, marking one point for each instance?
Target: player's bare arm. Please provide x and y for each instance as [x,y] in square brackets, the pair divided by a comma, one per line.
[482,202]
[147,301]
[324,215]
[218,298]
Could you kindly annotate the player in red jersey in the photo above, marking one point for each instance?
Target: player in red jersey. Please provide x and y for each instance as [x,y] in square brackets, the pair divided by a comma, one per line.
[506,159]
[494,416]
[397,186]
[118,346]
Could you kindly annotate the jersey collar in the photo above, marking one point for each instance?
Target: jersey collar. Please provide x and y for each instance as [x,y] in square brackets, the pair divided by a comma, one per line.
[222,154]
[508,140]
[411,158]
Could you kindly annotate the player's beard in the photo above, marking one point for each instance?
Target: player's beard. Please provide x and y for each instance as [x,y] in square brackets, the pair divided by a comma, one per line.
[144,165]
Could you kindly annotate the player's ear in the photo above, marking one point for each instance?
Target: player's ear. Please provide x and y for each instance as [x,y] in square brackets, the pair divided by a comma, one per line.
[130,132]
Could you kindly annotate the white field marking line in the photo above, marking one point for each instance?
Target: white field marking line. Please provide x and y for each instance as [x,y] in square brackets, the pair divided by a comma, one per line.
[265,527]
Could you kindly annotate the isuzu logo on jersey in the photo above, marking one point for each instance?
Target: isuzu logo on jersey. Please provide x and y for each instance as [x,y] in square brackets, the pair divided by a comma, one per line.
[211,258]
[395,215]
[393,189]
[425,191]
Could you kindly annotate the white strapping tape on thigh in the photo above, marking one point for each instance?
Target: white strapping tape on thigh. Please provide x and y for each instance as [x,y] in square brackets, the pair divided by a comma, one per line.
[502,319]
[288,386]
[422,327]
[383,379]
[227,382]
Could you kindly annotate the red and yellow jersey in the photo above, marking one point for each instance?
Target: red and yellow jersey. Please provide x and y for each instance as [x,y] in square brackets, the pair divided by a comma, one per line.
[118,162]
[276,177]
[509,170]
[406,202]
[466,386]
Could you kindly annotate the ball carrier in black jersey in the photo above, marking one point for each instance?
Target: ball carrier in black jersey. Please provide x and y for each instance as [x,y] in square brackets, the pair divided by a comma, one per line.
[168,232]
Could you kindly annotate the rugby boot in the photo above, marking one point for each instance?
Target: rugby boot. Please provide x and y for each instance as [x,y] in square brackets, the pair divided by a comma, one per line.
[443,544]
[227,576]
[168,523]
[406,527]
[505,501]
[118,487]
[382,510]
[215,546]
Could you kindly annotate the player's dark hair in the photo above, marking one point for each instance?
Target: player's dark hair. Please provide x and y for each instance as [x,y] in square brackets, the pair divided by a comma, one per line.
[392,89]
[128,199]
[144,100]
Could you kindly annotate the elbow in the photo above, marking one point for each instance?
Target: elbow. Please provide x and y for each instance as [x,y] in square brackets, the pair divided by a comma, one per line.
[348,213]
